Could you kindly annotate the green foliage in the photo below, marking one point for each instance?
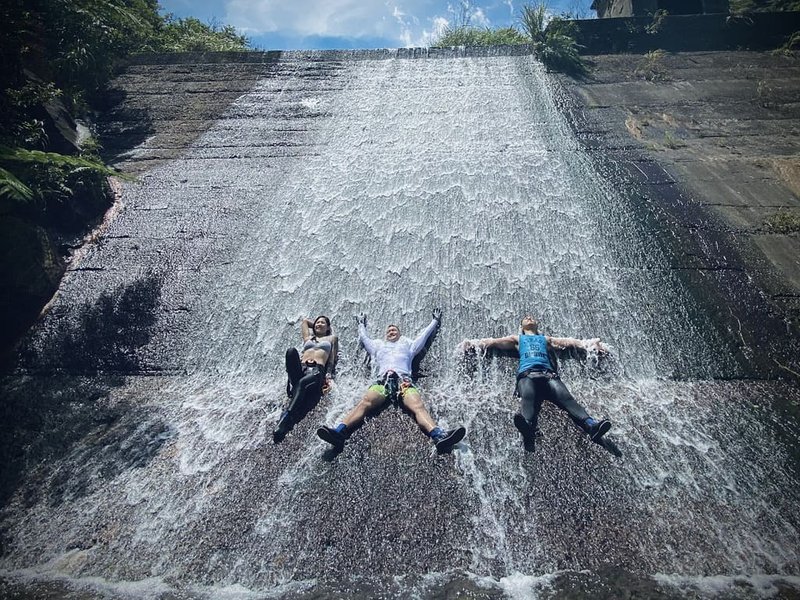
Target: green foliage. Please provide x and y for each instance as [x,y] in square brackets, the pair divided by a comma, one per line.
[192,35]
[534,22]
[783,221]
[32,181]
[554,41]
[13,189]
[86,38]
[61,161]
[651,67]
[791,47]
[477,36]
[658,20]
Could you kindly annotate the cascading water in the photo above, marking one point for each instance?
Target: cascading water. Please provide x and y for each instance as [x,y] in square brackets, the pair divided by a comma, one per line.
[393,186]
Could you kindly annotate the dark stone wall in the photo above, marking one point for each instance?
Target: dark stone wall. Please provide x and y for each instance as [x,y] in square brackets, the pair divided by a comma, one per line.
[638,8]
[689,33]
[711,141]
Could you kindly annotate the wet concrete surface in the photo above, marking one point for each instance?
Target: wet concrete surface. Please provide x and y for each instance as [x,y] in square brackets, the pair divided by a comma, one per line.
[121,465]
[708,142]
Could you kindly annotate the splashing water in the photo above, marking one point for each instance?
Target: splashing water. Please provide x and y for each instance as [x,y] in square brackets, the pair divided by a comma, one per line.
[392,187]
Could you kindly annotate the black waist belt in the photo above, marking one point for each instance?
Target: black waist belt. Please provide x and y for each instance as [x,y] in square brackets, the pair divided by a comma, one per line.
[391,382]
[311,366]
[537,374]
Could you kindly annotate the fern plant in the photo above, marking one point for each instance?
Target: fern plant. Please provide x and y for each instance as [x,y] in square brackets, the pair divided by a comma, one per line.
[552,39]
[28,177]
[12,188]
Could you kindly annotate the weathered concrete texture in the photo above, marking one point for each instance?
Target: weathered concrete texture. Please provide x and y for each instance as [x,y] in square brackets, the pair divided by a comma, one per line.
[172,106]
[160,103]
[628,8]
[684,32]
[714,137]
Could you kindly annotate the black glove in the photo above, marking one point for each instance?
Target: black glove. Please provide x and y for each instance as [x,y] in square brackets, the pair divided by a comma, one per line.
[362,319]
[437,314]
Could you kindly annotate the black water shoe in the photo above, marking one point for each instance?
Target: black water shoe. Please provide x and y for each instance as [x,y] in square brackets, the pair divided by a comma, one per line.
[598,430]
[333,437]
[448,439]
[527,430]
[285,425]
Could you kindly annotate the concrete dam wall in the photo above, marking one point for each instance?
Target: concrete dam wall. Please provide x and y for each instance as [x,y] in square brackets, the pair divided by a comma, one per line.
[633,206]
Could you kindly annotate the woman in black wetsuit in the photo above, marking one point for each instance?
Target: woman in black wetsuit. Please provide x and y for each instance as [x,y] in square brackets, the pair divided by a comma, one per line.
[308,371]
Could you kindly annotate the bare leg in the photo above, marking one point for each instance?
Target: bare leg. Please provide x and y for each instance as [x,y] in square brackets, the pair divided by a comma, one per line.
[413,402]
[370,401]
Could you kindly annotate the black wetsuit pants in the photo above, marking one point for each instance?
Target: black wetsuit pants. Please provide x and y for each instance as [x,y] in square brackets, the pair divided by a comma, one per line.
[305,381]
[534,388]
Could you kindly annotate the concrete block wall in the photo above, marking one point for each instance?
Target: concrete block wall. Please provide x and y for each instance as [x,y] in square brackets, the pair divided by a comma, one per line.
[686,33]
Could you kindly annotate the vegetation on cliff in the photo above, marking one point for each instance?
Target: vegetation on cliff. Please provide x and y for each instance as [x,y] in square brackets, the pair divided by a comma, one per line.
[551,37]
[55,58]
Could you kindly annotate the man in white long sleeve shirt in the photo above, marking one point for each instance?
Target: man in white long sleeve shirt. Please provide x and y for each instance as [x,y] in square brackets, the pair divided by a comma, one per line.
[393,358]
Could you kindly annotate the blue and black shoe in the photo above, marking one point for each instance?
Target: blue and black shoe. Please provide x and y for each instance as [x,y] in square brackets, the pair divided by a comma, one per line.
[597,429]
[333,437]
[447,439]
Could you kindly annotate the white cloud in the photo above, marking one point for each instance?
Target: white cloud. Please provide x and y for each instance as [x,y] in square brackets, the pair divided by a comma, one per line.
[340,18]
[440,24]
[427,37]
[399,22]
[479,18]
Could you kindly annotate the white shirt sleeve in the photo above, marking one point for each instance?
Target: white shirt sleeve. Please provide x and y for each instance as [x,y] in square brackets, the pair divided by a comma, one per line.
[369,344]
[418,344]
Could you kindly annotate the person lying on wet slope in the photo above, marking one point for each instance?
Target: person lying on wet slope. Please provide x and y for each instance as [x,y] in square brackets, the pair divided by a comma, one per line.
[309,373]
[393,359]
[537,379]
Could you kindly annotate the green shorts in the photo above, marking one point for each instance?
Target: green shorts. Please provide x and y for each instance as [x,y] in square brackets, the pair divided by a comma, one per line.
[405,385]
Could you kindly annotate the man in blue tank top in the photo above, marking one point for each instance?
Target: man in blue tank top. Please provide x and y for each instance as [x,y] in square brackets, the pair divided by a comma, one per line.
[537,379]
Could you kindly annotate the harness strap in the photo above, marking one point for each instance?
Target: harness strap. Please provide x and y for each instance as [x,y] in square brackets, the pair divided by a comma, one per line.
[537,374]
[394,385]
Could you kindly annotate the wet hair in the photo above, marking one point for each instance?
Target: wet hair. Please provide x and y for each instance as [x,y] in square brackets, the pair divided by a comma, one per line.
[535,323]
[327,322]
[393,325]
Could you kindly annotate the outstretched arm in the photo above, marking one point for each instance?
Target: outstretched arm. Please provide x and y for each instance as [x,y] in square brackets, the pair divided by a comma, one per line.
[566,343]
[418,344]
[509,342]
[369,344]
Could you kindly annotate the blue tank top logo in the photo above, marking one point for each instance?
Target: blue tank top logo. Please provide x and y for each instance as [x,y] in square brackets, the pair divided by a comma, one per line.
[533,353]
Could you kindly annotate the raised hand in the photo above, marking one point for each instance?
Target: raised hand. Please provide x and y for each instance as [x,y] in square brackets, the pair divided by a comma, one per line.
[595,345]
[437,314]
[362,319]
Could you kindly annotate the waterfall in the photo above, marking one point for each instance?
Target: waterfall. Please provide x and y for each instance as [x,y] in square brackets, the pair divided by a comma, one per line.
[391,186]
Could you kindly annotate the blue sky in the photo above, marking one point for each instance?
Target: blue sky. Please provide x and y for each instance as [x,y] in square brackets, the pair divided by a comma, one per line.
[323,24]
